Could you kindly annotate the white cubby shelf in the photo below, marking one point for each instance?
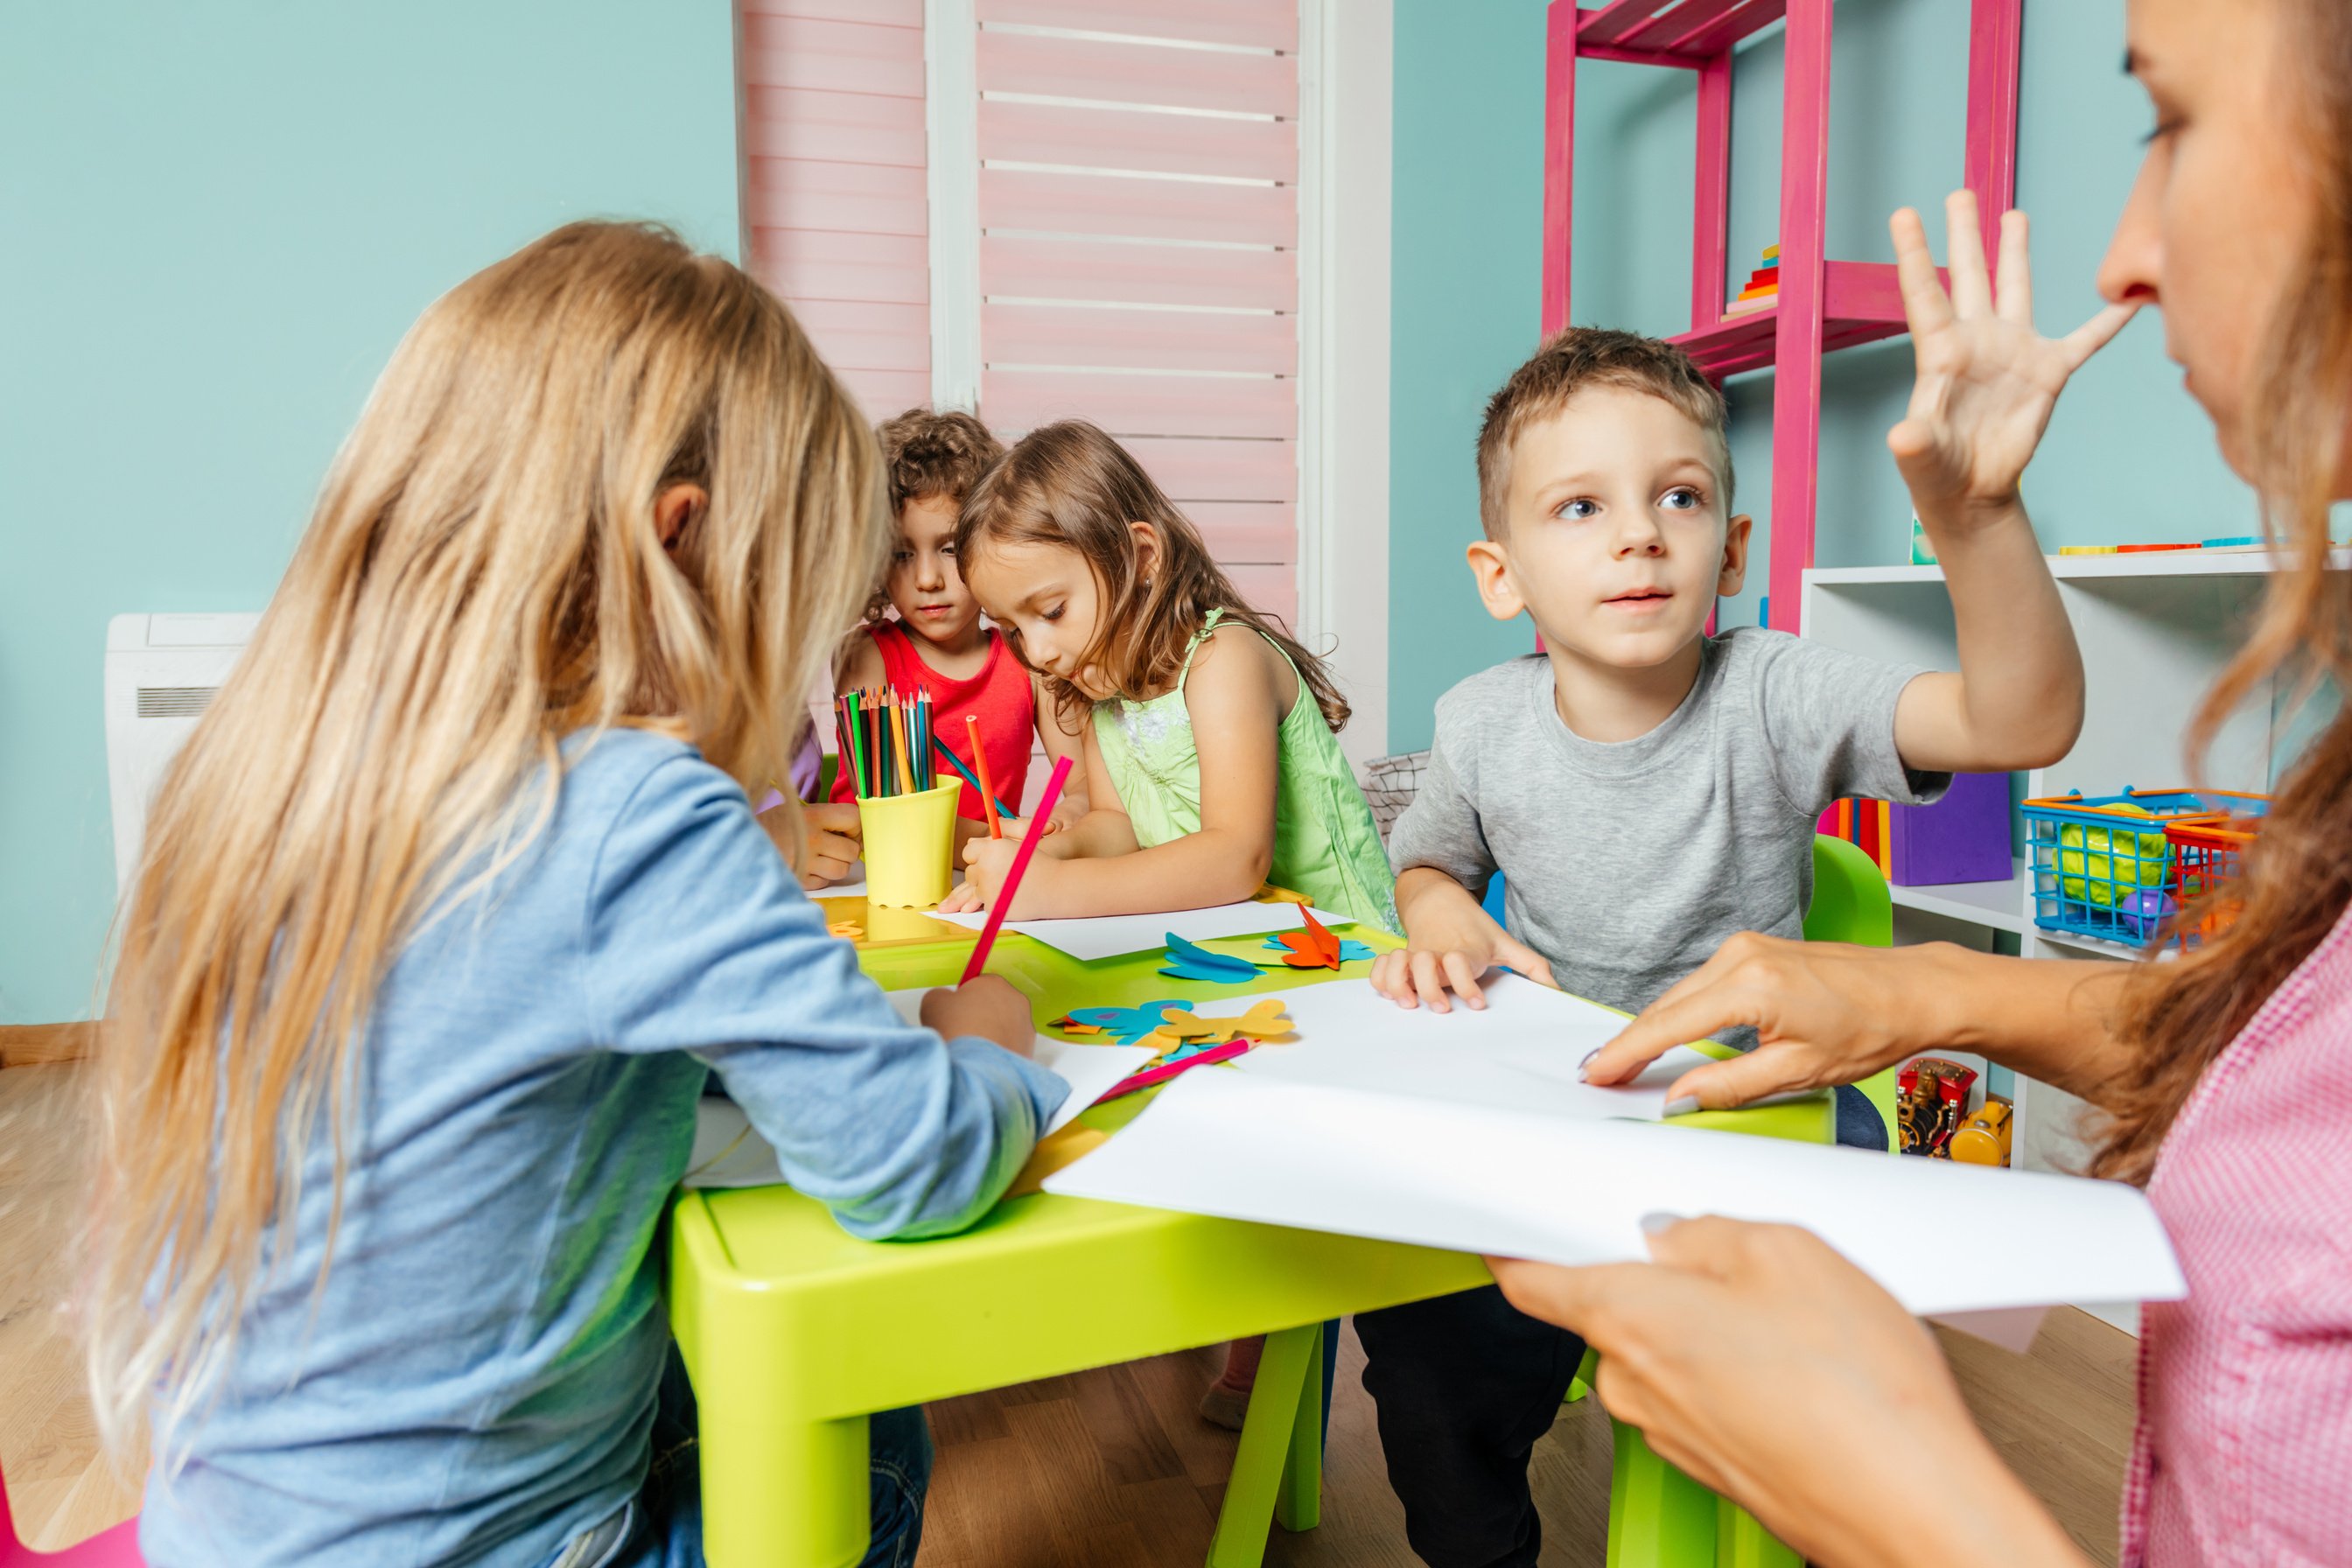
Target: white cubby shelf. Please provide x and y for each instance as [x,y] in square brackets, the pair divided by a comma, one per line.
[2155,628]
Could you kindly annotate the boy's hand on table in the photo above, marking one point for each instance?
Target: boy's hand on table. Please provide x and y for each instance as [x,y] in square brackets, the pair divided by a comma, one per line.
[986,1005]
[1987,380]
[833,843]
[1449,949]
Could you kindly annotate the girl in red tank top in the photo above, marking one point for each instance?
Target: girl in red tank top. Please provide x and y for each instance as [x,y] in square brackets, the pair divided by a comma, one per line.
[937,642]
[1000,693]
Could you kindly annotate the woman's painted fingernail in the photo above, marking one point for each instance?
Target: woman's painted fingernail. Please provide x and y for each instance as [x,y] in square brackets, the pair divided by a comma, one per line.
[1585,1063]
[1681,1105]
[1652,1223]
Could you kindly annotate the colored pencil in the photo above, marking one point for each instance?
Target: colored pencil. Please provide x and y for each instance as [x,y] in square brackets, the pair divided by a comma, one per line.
[963,772]
[986,785]
[1020,864]
[858,740]
[1166,1070]
[899,734]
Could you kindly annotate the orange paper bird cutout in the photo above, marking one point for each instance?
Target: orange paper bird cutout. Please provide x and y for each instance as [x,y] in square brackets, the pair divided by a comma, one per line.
[1314,948]
[1265,1020]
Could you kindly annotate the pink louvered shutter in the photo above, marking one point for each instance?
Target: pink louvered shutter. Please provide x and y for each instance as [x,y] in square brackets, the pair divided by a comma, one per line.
[1138,263]
[834,196]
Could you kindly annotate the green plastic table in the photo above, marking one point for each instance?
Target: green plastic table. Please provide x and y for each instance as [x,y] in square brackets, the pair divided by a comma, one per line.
[794,1332]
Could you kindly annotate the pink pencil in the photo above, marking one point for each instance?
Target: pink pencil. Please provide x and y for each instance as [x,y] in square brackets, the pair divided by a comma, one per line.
[1167,1070]
[1020,864]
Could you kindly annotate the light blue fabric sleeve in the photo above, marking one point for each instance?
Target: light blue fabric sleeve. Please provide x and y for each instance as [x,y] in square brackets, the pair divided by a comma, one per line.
[700,940]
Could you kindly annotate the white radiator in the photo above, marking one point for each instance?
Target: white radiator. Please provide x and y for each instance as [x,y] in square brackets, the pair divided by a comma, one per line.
[160,673]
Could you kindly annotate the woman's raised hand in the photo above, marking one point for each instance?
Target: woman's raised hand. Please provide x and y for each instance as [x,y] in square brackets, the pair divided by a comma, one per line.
[1824,1012]
[1987,380]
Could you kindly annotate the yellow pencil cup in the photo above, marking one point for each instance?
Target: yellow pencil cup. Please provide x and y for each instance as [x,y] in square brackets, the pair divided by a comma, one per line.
[910,844]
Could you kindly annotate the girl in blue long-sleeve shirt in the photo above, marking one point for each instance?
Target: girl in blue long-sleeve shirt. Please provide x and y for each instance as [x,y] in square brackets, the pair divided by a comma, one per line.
[450,909]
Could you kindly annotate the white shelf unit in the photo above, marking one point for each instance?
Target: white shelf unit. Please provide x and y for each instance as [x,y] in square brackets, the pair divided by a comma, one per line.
[2155,628]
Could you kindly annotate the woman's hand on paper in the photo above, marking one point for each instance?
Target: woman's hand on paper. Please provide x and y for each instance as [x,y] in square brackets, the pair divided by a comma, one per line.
[986,1005]
[1824,1012]
[1772,1371]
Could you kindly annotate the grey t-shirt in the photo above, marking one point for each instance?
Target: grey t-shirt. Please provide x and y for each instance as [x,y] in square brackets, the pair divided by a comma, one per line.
[1628,863]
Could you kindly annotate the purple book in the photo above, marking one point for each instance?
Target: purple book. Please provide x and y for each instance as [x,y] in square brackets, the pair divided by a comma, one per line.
[1963,838]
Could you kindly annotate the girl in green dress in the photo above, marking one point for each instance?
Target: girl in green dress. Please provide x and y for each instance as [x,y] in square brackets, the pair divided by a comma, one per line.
[1212,764]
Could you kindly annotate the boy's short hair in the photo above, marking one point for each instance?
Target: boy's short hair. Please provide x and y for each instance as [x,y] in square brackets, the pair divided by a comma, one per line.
[926,452]
[1566,364]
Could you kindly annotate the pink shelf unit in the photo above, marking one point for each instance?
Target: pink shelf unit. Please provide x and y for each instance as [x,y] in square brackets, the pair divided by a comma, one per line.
[1822,305]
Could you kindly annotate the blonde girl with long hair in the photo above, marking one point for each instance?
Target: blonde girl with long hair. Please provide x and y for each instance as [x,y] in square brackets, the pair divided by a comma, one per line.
[449,910]
[1213,764]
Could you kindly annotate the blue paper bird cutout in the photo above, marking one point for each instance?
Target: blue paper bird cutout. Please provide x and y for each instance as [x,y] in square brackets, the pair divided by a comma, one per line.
[1350,950]
[1126,1024]
[1189,961]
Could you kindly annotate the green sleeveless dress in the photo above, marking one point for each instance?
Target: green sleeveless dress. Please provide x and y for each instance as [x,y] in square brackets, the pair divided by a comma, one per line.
[1326,844]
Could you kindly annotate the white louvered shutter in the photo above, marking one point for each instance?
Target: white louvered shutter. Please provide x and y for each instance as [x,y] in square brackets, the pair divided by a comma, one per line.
[835,193]
[1139,250]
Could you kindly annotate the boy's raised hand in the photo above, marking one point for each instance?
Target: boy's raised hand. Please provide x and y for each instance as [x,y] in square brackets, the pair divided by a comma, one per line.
[1987,380]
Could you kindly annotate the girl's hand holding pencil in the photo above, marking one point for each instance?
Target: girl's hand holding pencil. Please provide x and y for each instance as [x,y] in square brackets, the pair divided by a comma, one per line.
[987,1006]
[986,863]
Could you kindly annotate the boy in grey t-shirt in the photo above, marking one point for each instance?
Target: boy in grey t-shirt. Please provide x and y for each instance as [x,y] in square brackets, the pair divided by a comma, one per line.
[1647,790]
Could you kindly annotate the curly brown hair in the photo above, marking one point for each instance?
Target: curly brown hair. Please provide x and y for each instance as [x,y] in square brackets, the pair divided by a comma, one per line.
[2298,878]
[1568,361]
[930,452]
[1071,485]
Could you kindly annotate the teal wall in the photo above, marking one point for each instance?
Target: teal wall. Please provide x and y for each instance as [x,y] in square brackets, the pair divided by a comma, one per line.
[215,221]
[2128,457]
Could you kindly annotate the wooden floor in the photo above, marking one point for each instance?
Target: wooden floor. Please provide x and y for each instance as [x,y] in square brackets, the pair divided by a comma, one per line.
[1106,1468]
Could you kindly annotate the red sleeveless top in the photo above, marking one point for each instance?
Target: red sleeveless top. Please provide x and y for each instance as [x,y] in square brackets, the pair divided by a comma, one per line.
[1000,694]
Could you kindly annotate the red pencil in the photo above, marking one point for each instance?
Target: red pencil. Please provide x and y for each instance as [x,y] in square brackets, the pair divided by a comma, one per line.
[1020,864]
[987,786]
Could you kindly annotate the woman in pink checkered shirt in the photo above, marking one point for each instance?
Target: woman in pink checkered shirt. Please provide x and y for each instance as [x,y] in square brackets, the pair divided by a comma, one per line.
[1768,1367]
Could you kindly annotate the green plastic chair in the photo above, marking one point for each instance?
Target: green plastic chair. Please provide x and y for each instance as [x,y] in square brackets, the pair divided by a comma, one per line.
[1659,1517]
[1851,904]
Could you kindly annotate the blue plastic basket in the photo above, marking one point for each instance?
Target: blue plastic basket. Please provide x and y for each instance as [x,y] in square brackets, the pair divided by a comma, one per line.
[2104,872]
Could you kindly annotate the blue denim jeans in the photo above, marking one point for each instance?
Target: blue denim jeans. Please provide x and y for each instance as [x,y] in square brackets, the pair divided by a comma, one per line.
[662,1526]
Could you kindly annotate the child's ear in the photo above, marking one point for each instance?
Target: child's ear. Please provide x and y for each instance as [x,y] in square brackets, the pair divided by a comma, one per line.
[1490,567]
[676,507]
[1146,550]
[1734,554]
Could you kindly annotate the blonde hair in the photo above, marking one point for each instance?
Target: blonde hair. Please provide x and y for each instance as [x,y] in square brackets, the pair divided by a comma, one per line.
[1072,486]
[1568,361]
[481,578]
[2298,878]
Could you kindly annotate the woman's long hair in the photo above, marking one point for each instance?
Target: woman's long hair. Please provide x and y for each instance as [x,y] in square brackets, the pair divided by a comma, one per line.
[1072,486]
[481,578]
[2298,876]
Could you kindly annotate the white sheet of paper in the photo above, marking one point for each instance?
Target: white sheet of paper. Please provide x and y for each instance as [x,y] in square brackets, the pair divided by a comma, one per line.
[854,888]
[1519,1052]
[1517,1183]
[1110,936]
[730,1152]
